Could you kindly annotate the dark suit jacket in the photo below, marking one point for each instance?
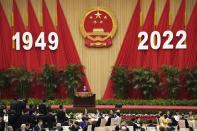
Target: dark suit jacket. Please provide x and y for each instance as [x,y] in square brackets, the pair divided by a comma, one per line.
[134,125]
[21,105]
[50,120]
[36,128]
[108,123]
[2,125]
[98,123]
[60,116]
[43,109]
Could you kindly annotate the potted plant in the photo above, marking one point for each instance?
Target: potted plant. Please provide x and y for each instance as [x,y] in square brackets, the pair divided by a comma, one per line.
[146,79]
[72,77]
[49,79]
[22,79]
[191,81]
[122,80]
[172,77]
[5,80]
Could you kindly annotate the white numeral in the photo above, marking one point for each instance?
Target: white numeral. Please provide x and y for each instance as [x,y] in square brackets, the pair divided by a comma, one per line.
[54,42]
[40,41]
[141,45]
[17,38]
[152,40]
[180,44]
[167,44]
[27,39]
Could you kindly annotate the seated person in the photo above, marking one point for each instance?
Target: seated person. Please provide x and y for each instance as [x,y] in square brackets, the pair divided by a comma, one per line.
[111,115]
[98,123]
[84,89]
[133,124]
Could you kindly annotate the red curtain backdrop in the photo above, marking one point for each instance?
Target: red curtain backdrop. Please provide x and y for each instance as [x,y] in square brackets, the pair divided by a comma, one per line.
[147,55]
[33,55]
[149,58]
[71,55]
[177,55]
[190,56]
[163,25]
[5,40]
[47,56]
[129,44]
[163,55]
[18,56]
[34,27]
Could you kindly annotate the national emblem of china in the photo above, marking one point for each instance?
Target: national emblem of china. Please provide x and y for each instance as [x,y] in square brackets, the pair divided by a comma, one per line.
[98,26]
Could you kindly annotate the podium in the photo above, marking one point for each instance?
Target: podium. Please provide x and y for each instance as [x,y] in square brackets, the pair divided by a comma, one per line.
[84,99]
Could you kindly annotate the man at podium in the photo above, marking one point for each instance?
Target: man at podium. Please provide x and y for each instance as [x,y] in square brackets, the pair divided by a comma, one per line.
[84,89]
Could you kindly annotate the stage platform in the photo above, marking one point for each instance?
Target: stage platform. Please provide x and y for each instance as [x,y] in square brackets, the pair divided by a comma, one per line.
[129,107]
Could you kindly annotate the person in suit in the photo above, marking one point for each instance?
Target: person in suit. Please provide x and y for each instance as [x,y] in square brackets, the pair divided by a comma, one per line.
[98,123]
[25,118]
[43,108]
[2,123]
[13,105]
[168,115]
[71,125]
[50,119]
[132,123]
[60,115]
[21,105]
[84,89]
[38,127]
[111,115]
[76,125]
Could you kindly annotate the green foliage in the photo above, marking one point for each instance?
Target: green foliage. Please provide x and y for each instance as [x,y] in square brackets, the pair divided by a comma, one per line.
[49,79]
[191,81]
[122,78]
[5,80]
[22,80]
[172,77]
[147,80]
[72,77]
[161,102]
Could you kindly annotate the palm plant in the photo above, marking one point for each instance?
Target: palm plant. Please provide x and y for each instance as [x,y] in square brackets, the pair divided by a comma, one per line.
[72,77]
[191,81]
[146,79]
[5,80]
[49,79]
[172,77]
[121,77]
[22,79]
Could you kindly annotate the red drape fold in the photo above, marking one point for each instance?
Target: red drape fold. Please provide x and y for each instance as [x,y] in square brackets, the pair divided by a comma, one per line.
[47,55]
[36,91]
[147,58]
[5,40]
[129,44]
[176,55]
[67,43]
[18,56]
[190,56]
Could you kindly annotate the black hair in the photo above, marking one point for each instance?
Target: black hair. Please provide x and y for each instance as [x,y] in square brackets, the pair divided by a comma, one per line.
[60,106]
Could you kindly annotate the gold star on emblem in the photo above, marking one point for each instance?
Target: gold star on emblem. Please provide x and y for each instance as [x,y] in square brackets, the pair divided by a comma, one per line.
[101,21]
[98,15]
[105,17]
[94,22]
[90,17]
